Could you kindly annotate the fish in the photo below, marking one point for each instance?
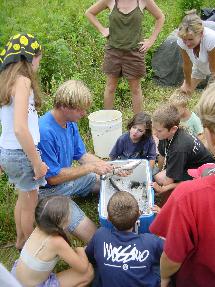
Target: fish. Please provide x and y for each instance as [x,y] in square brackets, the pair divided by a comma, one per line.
[131,165]
[128,166]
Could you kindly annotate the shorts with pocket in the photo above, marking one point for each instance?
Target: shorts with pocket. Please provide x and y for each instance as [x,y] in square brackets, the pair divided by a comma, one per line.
[129,64]
[19,170]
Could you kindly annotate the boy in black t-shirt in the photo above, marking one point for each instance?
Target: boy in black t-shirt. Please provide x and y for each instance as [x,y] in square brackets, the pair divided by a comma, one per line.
[178,150]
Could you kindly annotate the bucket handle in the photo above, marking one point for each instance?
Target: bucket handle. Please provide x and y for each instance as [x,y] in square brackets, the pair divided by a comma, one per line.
[107,130]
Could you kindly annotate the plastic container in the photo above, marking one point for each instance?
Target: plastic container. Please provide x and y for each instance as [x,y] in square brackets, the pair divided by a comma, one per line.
[106,128]
[140,174]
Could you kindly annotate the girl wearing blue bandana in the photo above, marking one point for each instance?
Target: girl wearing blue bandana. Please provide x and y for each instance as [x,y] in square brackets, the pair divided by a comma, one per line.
[19,101]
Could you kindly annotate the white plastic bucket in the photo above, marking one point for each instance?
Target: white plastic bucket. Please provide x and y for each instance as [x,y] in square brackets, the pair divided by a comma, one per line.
[106,128]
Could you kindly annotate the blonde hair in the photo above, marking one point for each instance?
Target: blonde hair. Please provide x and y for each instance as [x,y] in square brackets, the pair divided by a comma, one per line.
[166,115]
[179,98]
[8,78]
[191,23]
[73,94]
[206,108]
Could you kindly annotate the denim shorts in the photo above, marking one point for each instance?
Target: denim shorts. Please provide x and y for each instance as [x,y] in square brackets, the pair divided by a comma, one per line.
[51,281]
[81,186]
[18,168]
[197,74]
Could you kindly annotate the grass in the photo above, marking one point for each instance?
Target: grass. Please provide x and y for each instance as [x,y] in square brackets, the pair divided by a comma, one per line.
[73,49]
[154,95]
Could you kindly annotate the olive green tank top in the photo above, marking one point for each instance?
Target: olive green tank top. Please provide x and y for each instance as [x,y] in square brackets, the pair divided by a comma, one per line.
[125,29]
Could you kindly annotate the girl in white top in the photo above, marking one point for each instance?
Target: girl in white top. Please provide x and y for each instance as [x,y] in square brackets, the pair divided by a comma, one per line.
[46,245]
[197,45]
[19,99]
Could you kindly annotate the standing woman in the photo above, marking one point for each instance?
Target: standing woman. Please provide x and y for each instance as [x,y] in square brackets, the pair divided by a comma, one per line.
[19,99]
[197,45]
[126,47]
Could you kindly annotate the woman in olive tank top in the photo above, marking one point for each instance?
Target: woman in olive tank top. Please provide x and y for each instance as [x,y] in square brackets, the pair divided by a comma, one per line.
[125,49]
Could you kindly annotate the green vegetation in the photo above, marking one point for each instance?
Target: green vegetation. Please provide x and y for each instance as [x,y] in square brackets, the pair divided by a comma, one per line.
[74,49]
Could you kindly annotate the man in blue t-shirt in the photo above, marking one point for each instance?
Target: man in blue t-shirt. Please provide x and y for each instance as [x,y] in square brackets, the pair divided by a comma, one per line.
[122,258]
[60,145]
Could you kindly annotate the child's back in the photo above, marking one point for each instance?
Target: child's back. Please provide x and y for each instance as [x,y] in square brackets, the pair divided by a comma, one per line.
[37,258]
[123,258]
[46,245]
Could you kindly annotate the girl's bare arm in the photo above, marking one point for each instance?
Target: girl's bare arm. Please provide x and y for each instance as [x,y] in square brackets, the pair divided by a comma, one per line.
[76,259]
[93,11]
[156,12]
[21,94]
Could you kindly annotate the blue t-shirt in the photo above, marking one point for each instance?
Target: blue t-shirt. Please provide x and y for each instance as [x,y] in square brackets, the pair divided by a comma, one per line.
[125,259]
[59,146]
[125,149]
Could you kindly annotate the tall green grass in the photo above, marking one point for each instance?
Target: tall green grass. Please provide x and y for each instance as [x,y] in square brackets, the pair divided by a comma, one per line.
[72,48]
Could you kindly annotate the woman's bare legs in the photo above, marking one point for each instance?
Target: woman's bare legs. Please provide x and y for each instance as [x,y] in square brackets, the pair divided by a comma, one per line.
[137,97]
[111,84]
[24,215]
[71,278]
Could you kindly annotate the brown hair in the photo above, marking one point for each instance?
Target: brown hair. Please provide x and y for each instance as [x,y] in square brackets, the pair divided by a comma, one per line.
[167,115]
[8,78]
[123,210]
[142,119]
[73,94]
[206,108]
[51,213]
[191,23]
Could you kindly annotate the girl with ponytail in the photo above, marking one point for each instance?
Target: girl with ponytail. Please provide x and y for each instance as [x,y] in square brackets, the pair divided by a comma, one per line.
[46,245]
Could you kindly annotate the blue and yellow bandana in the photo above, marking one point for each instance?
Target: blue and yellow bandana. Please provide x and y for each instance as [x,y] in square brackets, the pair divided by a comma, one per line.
[19,47]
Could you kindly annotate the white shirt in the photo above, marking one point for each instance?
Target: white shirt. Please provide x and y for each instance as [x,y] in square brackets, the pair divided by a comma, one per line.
[7,279]
[8,138]
[206,45]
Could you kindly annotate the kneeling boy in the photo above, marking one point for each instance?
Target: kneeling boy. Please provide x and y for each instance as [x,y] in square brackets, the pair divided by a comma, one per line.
[123,258]
[179,150]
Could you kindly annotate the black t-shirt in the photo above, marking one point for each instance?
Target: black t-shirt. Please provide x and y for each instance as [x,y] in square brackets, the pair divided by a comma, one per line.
[183,152]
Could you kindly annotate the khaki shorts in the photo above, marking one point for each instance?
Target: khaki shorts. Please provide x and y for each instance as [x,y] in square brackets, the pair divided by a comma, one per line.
[130,64]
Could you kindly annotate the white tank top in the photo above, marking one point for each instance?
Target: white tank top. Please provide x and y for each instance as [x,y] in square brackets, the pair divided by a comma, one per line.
[8,139]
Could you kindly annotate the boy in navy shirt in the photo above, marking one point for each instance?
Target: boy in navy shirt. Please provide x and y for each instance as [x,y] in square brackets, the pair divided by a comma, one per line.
[121,257]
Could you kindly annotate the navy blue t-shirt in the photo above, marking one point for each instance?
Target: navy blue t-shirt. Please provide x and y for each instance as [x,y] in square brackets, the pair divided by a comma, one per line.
[125,259]
[124,148]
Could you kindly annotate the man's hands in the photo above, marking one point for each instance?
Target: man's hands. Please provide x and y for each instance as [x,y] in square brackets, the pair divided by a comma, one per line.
[101,167]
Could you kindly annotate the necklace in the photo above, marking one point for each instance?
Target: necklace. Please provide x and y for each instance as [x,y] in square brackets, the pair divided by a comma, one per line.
[166,152]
